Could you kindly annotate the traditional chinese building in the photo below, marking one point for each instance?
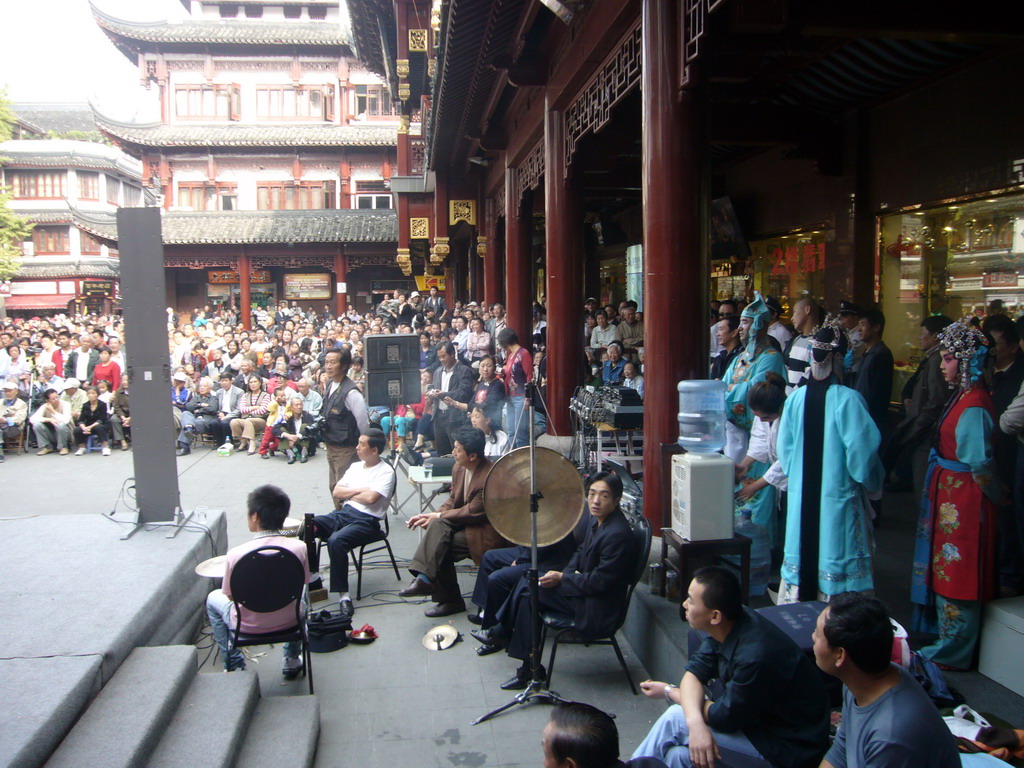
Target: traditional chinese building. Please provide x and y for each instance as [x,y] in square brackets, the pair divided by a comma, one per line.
[272,155]
[664,151]
[65,268]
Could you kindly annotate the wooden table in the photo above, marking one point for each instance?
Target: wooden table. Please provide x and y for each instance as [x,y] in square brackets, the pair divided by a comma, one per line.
[686,549]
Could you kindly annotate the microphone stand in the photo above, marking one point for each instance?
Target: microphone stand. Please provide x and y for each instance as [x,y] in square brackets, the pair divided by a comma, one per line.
[536,689]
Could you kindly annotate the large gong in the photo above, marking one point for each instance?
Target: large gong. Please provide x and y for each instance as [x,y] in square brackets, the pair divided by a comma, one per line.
[507,496]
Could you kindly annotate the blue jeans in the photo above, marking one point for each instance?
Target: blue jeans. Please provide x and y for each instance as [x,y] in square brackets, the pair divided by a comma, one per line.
[669,738]
[402,424]
[220,607]
[514,416]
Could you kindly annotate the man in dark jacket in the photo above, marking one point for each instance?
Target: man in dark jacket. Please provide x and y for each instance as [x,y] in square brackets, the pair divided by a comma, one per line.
[1007,377]
[924,396]
[591,588]
[453,383]
[773,710]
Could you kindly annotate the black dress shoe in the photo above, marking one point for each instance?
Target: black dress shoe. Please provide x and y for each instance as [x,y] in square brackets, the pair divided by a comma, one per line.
[444,609]
[475,618]
[485,636]
[521,679]
[418,588]
[487,650]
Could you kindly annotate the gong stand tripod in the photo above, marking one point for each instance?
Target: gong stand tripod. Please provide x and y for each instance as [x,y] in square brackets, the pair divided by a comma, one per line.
[535,689]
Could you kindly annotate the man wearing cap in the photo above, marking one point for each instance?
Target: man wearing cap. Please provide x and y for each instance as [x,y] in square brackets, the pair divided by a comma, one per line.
[73,396]
[849,318]
[13,412]
[750,367]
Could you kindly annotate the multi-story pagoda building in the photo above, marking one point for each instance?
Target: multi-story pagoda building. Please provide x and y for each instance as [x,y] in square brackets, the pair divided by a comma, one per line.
[65,268]
[272,155]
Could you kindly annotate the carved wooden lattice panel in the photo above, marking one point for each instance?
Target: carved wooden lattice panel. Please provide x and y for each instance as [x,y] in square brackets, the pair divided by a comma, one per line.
[311,260]
[200,262]
[617,76]
[417,156]
[528,174]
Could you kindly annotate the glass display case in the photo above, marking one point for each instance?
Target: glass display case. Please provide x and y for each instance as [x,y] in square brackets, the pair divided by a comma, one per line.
[953,259]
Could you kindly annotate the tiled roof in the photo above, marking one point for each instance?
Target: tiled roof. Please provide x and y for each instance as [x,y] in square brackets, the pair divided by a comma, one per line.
[248,135]
[56,117]
[45,271]
[266,227]
[67,153]
[224,31]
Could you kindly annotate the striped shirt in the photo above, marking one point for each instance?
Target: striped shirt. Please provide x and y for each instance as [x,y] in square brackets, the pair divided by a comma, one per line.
[798,361]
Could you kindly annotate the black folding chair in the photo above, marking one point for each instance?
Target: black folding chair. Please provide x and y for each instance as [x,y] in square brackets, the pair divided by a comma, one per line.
[564,626]
[378,544]
[265,580]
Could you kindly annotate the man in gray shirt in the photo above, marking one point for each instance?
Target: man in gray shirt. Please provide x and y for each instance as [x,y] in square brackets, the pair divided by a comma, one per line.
[888,719]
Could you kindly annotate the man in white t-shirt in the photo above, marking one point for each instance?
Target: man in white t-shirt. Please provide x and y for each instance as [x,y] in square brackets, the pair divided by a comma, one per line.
[364,491]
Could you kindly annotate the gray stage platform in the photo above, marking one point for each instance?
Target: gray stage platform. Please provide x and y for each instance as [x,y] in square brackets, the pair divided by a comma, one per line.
[76,600]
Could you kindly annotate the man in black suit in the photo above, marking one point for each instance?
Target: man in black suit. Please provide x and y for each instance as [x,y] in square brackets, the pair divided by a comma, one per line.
[591,588]
[292,432]
[453,382]
[435,303]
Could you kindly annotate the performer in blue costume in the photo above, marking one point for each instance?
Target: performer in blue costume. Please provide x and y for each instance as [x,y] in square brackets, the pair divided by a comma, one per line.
[828,447]
[748,368]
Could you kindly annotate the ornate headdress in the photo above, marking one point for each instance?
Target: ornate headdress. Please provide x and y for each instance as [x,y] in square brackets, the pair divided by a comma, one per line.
[829,342]
[968,345]
[757,311]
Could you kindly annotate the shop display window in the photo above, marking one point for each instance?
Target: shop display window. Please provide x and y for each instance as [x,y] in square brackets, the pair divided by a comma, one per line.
[954,259]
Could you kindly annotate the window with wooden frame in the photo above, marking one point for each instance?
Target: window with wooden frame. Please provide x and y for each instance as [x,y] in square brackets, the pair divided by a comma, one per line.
[318,12]
[208,101]
[293,11]
[206,196]
[372,194]
[228,11]
[88,185]
[113,190]
[254,11]
[374,101]
[295,102]
[132,196]
[50,240]
[89,243]
[290,196]
[37,185]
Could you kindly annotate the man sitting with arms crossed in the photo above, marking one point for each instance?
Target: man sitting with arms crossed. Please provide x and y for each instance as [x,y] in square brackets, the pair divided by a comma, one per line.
[268,507]
[888,719]
[459,529]
[363,493]
[773,711]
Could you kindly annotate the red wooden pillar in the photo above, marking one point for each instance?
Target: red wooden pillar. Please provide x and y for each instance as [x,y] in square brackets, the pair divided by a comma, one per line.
[673,276]
[340,276]
[244,293]
[564,267]
[492,286]
[517,260]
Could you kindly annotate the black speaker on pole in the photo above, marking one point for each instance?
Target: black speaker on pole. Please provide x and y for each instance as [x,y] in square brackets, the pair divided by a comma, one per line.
[392,369]
[391,352]
[389,388]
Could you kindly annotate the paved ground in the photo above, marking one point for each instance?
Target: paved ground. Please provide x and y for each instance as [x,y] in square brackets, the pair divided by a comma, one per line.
[391,703]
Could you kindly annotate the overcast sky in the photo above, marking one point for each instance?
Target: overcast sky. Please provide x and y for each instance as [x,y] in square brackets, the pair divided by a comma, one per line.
[53,50]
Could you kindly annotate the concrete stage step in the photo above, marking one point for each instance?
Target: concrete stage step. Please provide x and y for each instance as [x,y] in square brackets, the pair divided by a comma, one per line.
[208,726]
[282,734]
[131,713]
